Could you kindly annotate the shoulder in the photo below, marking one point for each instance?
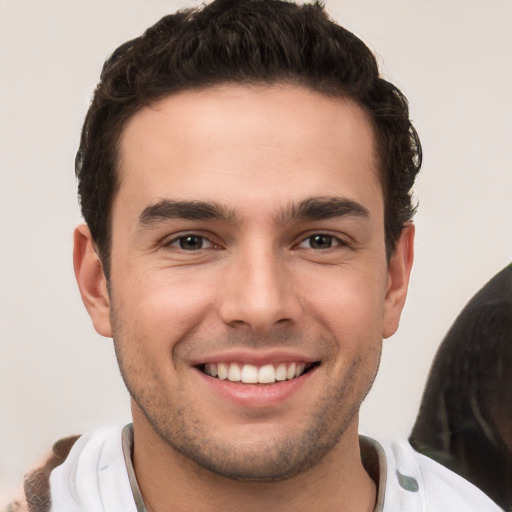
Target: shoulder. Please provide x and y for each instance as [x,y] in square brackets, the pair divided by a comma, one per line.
[94,476]
[85,472]
[36,484]
[414,478]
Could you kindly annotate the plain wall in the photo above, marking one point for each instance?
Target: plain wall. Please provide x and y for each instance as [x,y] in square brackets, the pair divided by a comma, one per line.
[452,59]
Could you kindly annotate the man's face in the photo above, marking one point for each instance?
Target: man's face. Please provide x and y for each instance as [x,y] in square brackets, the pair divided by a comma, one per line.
[248,242]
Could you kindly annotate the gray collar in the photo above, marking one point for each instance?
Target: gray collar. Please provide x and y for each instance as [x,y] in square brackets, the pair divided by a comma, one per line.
[372,455]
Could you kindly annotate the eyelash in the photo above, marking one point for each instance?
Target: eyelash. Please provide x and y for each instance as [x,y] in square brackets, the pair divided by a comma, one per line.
[338,242]
[181,238]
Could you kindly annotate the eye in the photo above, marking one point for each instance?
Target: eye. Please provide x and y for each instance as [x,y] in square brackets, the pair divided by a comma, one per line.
[320,241]
[191,243]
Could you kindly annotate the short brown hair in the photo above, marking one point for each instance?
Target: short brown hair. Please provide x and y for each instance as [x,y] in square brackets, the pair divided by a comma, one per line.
[243,41]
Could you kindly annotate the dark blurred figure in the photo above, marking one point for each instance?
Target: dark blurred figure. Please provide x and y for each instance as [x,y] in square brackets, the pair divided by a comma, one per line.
[465,418]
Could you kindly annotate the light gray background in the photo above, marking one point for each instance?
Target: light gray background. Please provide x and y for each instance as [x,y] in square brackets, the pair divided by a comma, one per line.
[452,58]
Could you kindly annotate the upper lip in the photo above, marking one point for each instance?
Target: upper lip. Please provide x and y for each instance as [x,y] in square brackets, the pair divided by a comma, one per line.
[255,357]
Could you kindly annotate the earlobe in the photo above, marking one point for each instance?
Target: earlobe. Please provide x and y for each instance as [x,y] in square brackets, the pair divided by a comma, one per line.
[399,271]
[91,281]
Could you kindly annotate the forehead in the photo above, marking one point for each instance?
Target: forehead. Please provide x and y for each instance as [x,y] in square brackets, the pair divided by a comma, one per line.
[241,145]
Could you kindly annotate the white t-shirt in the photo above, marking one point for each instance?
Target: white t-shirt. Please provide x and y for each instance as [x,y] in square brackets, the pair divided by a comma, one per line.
[98,476]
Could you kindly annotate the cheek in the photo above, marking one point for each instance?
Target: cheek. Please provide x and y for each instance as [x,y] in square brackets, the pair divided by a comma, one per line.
[162,307]
[351,303]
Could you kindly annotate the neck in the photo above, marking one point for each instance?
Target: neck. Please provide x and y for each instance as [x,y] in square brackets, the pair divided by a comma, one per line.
[170,481]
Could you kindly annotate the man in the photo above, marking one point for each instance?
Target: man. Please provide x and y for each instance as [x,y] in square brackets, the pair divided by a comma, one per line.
[245,175]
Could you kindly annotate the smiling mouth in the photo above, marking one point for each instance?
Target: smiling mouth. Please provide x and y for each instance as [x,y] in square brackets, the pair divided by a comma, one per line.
[252,374]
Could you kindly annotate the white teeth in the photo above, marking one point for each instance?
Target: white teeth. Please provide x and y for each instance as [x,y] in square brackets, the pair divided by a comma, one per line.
[281,372]
[234,374]
[222,371]
[251,374]
[267,374]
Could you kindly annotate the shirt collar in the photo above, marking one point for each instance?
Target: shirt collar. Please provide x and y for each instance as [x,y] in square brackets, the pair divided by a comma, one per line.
[372,455]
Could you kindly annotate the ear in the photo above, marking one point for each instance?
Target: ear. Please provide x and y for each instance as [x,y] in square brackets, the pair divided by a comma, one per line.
[399,271]
[91,281]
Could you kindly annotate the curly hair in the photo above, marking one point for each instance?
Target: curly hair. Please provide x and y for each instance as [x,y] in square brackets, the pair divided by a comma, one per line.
[247,42]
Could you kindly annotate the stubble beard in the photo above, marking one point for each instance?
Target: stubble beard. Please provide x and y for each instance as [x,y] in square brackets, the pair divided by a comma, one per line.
[271,459]
[268,461]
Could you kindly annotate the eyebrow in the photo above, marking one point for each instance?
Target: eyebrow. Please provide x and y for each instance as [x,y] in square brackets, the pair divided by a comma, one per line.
[189,210]
[313,208]
[322,208]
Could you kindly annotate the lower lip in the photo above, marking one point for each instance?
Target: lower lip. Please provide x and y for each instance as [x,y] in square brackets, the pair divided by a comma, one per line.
[256,395]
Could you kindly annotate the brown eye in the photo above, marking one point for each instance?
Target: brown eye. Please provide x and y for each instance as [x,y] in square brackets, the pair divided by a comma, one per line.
[191,243]
[320,241]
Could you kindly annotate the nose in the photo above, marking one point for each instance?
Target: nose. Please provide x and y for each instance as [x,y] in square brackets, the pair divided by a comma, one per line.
[259,292]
